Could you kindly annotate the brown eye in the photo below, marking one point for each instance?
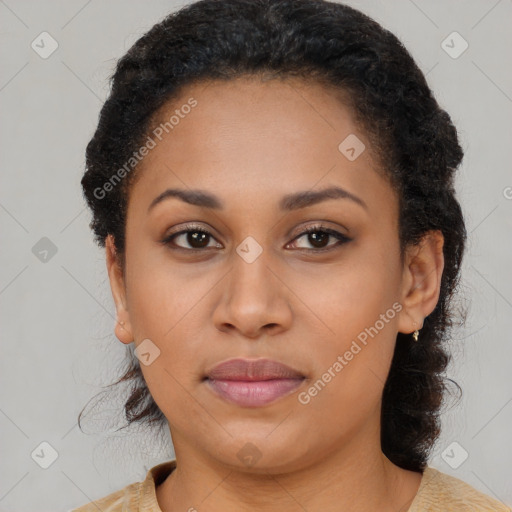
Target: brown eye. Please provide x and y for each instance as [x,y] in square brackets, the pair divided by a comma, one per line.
[318,237]
[196,237]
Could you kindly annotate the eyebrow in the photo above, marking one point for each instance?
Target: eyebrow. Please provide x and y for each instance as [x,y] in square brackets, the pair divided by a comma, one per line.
[289,202]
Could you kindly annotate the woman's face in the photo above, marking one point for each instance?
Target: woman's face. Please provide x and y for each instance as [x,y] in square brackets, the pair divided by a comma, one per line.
[257,286]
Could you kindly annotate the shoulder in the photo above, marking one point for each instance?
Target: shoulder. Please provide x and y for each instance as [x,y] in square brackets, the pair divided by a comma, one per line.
[124,499]
[139,496]
[439,491]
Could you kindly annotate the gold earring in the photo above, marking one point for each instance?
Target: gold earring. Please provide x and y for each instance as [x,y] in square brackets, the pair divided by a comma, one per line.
[416,334]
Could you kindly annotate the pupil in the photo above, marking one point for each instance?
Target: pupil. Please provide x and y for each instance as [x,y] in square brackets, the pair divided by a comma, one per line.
[197,237]
[316,242]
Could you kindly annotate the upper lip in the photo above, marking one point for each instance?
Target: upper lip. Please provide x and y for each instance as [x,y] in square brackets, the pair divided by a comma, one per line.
[252,370]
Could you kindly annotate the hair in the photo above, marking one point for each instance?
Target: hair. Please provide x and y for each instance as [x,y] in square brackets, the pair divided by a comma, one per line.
[412,137]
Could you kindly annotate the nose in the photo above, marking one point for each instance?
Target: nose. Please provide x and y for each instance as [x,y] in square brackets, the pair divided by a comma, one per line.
[254,300]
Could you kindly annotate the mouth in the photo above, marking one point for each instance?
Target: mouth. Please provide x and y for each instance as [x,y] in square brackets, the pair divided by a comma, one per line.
[253,383]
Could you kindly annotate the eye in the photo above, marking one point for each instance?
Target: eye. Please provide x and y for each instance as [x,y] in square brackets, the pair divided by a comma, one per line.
[196,236]
[318,236]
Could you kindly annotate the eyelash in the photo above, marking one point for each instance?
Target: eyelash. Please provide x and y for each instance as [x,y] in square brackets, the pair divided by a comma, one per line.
[342,239]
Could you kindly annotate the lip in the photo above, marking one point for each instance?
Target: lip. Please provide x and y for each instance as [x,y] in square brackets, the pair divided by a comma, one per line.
[252,370]
[253,382]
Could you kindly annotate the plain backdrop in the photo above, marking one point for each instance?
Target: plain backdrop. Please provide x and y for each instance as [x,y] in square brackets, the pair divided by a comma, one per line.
[57,315]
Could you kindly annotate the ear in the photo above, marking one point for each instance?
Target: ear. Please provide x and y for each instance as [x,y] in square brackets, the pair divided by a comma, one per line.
[123,329]
[421,281]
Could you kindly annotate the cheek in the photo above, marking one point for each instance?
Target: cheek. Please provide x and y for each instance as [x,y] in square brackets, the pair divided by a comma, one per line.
[162,296]
[355,311]
[349,295]
[163,307]
[351,363]
[165,312]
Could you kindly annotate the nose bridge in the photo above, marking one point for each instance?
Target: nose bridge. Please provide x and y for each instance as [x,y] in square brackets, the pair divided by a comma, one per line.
[251,260]
[254,259]
[251,298]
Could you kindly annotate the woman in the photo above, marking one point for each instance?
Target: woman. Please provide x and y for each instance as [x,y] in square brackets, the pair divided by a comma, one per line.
[273,182]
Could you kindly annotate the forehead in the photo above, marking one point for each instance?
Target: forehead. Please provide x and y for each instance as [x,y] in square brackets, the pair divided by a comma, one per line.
[248,136]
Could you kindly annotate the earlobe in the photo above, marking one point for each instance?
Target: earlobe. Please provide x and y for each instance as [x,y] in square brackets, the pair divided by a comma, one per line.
[421,282]
[123,330]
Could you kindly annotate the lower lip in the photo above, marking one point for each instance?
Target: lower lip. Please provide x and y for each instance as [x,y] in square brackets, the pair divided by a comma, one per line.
[253,394]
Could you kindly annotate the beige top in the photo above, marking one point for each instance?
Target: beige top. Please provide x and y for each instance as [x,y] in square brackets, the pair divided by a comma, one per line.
[438,492]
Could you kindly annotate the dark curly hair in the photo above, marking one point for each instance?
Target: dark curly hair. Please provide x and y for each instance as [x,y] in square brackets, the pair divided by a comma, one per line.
[412,138]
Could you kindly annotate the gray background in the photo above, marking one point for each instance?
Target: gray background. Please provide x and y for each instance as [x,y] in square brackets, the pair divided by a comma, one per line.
[57,315]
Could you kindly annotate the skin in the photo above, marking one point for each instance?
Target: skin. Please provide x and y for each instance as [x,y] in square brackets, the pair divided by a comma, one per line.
[250,143]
